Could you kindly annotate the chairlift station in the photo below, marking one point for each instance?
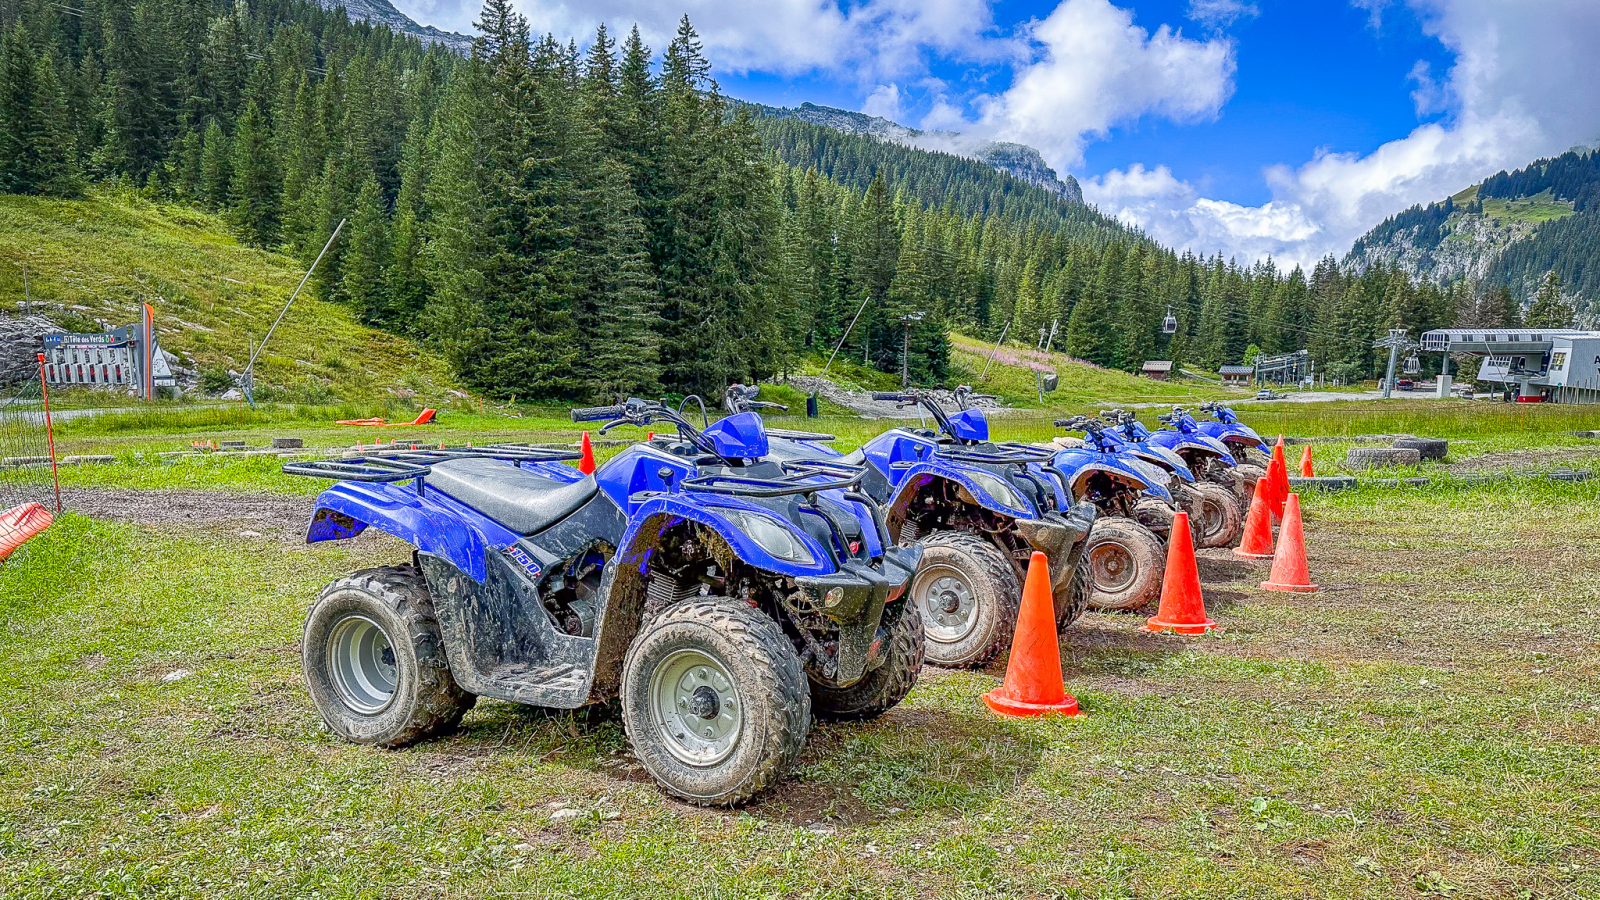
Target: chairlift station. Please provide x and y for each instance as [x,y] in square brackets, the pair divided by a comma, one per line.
[1542,365]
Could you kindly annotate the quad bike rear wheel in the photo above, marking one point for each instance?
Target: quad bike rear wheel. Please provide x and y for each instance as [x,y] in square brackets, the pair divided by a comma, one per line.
[968,595]
[1221,516]
[1125,564]
[883,687]
[714,701]
[374,662]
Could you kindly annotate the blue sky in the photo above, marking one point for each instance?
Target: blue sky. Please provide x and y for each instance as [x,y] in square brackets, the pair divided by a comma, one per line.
[1251,127]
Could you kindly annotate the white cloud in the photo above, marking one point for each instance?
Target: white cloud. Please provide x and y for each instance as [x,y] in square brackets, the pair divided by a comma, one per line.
[884,101]
[1094,69]
[1221,13]
[1513,95]
[866,40]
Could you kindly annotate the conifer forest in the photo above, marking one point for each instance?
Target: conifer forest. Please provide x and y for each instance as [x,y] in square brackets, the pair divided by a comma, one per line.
[569,223]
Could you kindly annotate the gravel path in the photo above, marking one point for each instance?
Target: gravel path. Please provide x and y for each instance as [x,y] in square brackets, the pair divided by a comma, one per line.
[177,507]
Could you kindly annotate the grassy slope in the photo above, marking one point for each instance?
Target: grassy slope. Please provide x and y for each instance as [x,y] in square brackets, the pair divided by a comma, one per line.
[101,257]
[1082,385]
[1426,727]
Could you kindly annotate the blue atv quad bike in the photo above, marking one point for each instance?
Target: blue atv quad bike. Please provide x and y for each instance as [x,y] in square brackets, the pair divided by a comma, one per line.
[1209,458]
[1209,492]
[978,509]
[724,599]
[1240,439]
[1126,551]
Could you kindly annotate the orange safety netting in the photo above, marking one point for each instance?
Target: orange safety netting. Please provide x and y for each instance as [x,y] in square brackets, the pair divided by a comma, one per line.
[20,523]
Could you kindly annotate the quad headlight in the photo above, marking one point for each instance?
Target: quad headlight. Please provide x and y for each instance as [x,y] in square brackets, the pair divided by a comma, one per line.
[772,536]
[997,488]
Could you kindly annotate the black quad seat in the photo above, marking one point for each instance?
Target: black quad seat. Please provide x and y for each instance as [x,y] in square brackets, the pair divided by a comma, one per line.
[516,498]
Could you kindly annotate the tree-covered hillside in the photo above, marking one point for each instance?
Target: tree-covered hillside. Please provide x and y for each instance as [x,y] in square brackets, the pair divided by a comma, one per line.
[1512,231]
[571,224]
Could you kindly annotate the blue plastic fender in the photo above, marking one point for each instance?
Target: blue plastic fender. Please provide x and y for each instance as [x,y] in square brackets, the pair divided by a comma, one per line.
[1076,462]
[431,521]
[909,476]
[1178,440]
[739,436]
[1226,431]
[638,469]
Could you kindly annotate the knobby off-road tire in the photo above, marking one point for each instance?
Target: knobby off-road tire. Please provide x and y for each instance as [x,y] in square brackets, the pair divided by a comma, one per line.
[1126,564]
[1221,516]
[881,689]
[968,596]
[1072,602]
[1245,476]
[374,662]
[714,701]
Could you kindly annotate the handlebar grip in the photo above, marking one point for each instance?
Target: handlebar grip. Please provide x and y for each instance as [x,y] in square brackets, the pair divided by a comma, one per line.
[1064,423]
[596,413]
[889,395]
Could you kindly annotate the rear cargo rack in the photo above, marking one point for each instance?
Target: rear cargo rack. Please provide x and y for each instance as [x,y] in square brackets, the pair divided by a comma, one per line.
[997,454]
[408,465]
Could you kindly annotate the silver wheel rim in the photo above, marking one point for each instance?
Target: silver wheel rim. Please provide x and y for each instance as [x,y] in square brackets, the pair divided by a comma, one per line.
[362,661]
[696,707]
[1112,566]
[949,605]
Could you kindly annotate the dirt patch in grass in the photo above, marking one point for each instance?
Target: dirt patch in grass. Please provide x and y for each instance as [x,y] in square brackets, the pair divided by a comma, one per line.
[176,507]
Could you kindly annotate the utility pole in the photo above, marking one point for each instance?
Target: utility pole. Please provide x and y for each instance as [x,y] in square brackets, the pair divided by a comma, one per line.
[985,374]
[1052,337]
[250,367]
[1396,341]
[907,320]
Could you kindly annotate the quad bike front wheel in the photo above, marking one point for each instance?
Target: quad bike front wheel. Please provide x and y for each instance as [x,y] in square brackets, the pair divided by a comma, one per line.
[374,663]
[885,685]
[714,701]
[1072,601]
[1126,564]
[1221,516]
[968,595]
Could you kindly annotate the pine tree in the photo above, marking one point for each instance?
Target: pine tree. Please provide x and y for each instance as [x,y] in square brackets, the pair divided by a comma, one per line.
[35,145]
[257,187]
[364,282]
[1550,308]
[216,166]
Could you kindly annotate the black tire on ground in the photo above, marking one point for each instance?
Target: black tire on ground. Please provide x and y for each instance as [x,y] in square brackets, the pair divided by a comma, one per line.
[374,662]
[881,689]
[1427,448]
[1221,516]
[714,701]
[968,595]
[1126,564]
[1322,483]
[1072,602]
[1379,457]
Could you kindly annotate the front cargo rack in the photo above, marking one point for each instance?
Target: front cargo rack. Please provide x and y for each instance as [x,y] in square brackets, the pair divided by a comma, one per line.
[408,465]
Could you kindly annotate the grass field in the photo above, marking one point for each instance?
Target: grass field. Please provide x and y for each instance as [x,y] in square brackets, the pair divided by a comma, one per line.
[1428,725]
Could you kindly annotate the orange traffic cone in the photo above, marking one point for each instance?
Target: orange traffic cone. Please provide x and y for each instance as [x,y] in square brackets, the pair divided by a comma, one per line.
[1033,675]
[20,523]
[1280,487]
[1305,464]
[1183,609]
[1268,484]
[1257,542]
[586,464]
[1289,570]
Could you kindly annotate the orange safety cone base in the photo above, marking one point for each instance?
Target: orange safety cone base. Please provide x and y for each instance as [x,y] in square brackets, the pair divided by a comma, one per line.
[1293,588]
[1006,706]
[1155,624]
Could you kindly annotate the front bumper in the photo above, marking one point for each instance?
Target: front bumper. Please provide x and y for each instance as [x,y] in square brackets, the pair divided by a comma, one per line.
[1061,538]
[854,597]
